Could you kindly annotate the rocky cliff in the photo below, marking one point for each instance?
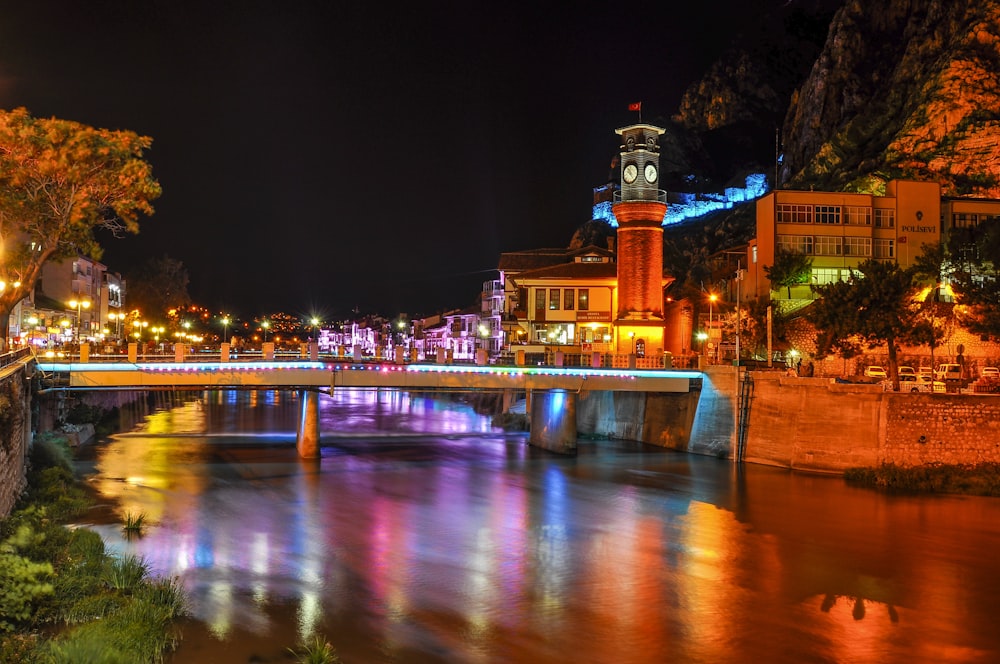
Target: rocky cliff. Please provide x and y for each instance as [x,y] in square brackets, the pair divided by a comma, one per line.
[902,89]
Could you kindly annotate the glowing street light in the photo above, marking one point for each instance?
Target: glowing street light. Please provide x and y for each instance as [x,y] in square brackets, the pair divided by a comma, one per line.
[79,305]
[702,336]
[225,329]
[631,335]
[315,323]
[264,325]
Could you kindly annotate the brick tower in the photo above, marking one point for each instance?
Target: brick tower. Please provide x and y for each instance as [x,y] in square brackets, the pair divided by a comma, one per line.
[640,211]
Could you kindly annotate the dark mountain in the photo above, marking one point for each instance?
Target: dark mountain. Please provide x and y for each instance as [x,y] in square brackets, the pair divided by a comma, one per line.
[902,89]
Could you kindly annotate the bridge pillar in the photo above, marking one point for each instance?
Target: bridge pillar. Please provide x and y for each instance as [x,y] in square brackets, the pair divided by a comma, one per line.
[313,350]
[179,350]
[595,359]
[520,358]
[553,420]
[85,352]
[133,352]
[224,352]
[400,355]
[307,438]
[267,349]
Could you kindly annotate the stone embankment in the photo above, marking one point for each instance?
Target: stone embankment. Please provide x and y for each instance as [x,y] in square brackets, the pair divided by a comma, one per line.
[818,425]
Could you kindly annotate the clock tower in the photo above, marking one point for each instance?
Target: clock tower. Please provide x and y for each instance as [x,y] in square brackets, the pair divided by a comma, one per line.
[640,211]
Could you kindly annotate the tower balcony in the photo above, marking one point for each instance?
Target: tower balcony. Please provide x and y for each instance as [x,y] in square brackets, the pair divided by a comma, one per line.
[655,195]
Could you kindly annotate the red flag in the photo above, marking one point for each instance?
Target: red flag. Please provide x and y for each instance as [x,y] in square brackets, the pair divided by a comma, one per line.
[637,106]
[902,239]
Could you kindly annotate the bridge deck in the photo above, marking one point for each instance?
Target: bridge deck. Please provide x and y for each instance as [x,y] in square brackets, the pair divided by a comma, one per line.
[315,374]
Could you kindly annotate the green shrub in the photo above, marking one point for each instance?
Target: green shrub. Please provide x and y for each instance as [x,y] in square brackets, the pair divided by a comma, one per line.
[317,651]
[133,523]
[167,594]
[49,450]
[23,581]
[94,607]
[126,572]
[970,479]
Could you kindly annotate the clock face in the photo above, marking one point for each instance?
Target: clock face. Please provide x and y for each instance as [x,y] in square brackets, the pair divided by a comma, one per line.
[630,173]
[650,173]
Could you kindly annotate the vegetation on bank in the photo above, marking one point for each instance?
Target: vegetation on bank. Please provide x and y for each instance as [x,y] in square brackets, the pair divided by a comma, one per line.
[970,479]
[63,597]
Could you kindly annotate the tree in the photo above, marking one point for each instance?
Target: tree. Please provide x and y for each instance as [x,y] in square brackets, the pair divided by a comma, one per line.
[789,269]
[874,307]
[974,255]
[158,286]
[59,181]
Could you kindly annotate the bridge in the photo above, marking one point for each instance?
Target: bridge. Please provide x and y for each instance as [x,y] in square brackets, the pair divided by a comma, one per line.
[551,392]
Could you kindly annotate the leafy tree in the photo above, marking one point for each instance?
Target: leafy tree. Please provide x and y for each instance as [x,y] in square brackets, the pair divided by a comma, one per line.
[873,307]
[158,286]
[59,181]
[790,268]
[754,323]
[974,256]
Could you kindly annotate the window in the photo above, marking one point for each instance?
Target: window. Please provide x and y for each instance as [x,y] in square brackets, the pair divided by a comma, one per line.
[592,259]
[885,218]
[827,214]
[568,299]
[857,246]
[554,298]
[857,216]
[885,248]
[828,275]
[539,299]
[583,299]
[787,213]
[964,220]
[800,243]
[828,246]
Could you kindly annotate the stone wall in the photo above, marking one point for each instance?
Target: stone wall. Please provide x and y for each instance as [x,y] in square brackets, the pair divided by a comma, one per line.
[15,433]
[818,425]
[942,428]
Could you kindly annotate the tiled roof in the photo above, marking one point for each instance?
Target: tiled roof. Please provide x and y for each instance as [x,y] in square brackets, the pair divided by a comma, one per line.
[571,271]
[532,259]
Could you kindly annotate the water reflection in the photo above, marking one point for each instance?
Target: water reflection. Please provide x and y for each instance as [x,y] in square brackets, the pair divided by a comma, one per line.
[423,535]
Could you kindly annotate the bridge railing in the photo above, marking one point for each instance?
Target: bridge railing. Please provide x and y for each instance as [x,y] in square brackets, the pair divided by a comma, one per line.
[550,359]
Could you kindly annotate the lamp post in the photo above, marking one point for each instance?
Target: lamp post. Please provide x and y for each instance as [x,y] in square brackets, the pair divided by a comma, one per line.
[264,325]
[631,335]
[79,305]
[712,297]
[225,329]
[315,324]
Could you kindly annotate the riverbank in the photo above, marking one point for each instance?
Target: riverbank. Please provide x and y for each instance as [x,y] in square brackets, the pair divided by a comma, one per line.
[965,479]
[63,597]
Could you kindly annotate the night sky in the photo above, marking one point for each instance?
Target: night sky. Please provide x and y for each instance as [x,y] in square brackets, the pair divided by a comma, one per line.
[321,156]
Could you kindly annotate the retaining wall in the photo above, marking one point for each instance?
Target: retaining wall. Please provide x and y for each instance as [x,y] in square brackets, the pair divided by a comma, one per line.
[814,424]
[15,433]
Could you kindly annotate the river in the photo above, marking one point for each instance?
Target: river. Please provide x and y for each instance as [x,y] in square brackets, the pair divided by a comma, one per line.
[423,534]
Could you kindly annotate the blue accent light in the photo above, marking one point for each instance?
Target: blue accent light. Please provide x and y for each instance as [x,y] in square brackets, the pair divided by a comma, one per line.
[684,205]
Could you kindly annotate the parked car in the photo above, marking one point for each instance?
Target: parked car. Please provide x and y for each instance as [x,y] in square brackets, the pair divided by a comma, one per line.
[907,371]
[948,372]
[990,372]
[908,383]
[874,371]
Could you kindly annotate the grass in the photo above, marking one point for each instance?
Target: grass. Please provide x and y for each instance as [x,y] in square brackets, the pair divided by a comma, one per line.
[969,479]
[133,523]
[317,651]
[101,608]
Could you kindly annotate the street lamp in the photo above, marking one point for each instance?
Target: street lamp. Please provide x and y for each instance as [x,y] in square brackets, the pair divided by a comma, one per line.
[79,305]
[264,325]
[702,336]
[315,323]
[225,329]
[631,335]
